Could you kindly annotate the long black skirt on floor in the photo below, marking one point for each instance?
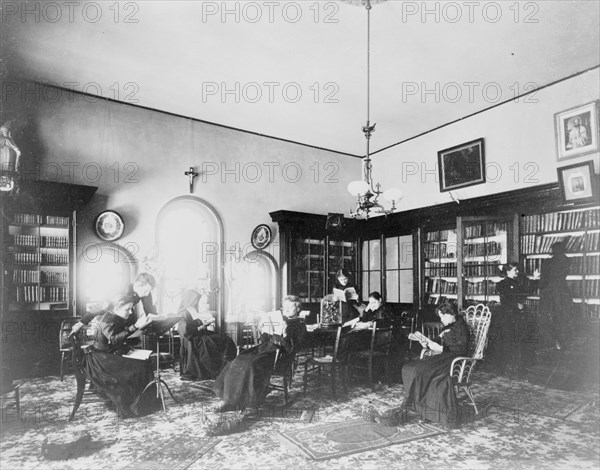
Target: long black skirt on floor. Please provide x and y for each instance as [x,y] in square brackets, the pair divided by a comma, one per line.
[203,356]
[245,381]
[428,387]
[122,380]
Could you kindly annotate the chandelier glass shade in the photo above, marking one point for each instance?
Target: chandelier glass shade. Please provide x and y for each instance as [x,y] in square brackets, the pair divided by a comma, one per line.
[364,190]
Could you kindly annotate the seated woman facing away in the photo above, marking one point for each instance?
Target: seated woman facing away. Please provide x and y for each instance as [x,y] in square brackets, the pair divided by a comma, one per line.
[119,378]
[244,382]
[427,382]
[203,352]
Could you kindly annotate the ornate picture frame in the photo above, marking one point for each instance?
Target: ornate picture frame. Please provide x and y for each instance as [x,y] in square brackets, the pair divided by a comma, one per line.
[109,226]
[462,165]
[261,236]
[576,131]
[578,183]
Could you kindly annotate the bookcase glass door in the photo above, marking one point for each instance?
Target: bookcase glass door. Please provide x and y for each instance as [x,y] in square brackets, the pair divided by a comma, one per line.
[486,247]
[580,229]
[440,266]
[371,268]
[308,269]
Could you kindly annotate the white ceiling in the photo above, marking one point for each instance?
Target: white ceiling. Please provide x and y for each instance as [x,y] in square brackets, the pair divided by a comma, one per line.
[163,54]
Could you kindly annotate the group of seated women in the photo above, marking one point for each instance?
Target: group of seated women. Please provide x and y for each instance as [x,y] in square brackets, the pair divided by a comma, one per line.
[242,382]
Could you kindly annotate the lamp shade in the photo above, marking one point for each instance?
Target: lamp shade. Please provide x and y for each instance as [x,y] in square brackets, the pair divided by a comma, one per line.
[393,194]
[358,188]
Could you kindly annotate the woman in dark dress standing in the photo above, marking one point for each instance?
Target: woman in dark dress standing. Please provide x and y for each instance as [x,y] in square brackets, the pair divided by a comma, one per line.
[427,382]
[119,378]
[244,382]
[556,301]
[513,334]
[203,353]
[350,303]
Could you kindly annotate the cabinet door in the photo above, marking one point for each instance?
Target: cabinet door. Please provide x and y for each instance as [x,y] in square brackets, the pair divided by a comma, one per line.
[308,269]
[487,244]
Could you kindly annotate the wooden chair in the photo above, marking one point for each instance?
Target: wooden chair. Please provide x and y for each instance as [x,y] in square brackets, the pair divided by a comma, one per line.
[285,371]
[379,351]
[7,386]
[478,318]
[250,337]
[327,362]
[64,344]
[431,329]
[79,349]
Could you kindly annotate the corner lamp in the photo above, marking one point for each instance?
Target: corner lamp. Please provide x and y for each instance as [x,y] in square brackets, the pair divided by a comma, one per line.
[9,160]
[366,192]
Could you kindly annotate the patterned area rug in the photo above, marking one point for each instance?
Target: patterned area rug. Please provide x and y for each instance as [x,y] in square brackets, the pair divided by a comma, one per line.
[176,454]
[338,439]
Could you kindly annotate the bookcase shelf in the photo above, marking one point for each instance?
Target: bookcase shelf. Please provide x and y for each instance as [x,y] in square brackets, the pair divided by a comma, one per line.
[580,227]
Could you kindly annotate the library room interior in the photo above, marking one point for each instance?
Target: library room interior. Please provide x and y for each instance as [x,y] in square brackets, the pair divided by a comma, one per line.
[331,234]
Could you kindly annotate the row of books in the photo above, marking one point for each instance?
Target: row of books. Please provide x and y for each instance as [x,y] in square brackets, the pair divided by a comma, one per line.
[23,276]
[484,230]
[558,221]
[42,294]
[439,236]
[54,278]
[482,249]
[481,269]
[440,286]
[27,258]
[440,250]
[479,288]
[577,265]
[56,259]
[537,244]
[37,219]
[36,241]
[435,300]
[440,269]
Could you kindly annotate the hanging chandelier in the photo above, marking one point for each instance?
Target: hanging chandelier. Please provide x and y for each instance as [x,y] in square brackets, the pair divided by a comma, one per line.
[367,193]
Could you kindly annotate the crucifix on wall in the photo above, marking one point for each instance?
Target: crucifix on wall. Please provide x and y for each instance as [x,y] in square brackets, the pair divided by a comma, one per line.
[191,174]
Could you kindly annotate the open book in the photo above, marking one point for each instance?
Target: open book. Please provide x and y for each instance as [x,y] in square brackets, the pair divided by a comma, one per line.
[273,323]
[416,336]
[139,354]
[159,325]
[349,293]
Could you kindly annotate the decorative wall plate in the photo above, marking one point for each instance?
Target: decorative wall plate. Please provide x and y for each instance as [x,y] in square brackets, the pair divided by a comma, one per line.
[261,236]
[109,226]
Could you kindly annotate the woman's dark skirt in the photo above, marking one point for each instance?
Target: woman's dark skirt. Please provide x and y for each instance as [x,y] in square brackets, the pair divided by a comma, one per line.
[202,357]
[428,387]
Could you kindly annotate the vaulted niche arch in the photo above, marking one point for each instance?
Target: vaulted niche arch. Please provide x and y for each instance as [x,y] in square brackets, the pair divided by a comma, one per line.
[189,239]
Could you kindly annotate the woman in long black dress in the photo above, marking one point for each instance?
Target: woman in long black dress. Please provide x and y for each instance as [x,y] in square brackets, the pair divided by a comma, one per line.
[349,303]
[556,301]
[203,353]
[244,382]
[119,378]
[427,382]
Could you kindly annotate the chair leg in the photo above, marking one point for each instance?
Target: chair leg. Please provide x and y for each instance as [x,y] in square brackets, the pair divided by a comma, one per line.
[62,362]
[18,400]
[370,372]
[305,378]
[469,393]
[285,389]
[79,396]
[333,382]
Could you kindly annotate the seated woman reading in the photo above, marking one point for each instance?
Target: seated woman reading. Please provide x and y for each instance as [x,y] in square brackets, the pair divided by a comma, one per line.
[119,378]
[203,353]
[427,382]
[244,382]
[356,333]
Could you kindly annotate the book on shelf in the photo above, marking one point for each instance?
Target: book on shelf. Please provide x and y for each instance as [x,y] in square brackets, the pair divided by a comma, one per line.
[349,293]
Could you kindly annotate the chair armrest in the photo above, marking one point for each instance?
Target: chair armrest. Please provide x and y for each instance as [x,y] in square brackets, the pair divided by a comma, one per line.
[461,368]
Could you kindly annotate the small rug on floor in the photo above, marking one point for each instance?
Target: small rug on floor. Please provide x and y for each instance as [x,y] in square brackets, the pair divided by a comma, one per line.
[327,441]
[177,454]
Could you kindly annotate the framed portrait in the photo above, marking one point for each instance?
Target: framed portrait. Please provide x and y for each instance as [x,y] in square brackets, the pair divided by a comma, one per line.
[576,131]
[462,165]
[578,183]
[261,236]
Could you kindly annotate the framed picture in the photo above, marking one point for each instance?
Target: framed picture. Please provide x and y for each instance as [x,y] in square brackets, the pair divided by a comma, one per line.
[109,226]
[578,183]
[261,236]
[462,166]
[576,131]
